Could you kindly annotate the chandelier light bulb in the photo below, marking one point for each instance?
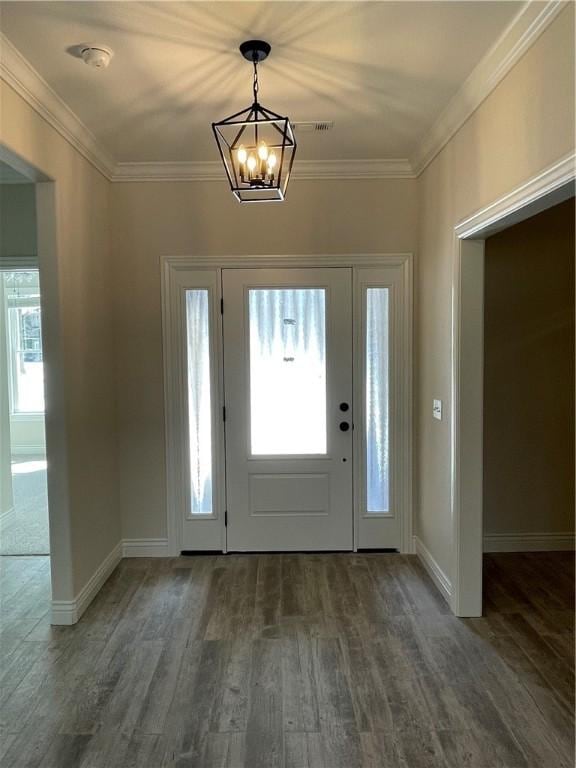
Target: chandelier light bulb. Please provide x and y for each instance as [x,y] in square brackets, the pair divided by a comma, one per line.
[242,154]
[271,160]
[251,163]
[262,151]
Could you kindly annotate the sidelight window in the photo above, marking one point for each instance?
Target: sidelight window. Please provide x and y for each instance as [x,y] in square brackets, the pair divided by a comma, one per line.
[377,375]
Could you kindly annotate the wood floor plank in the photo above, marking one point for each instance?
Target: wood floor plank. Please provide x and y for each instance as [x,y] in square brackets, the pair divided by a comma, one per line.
[181,633]
[120,712]
[300,706]
[290,661]
[143,750]
[296,750]
[17,665]
[216,750]
[334,698]
[341,746]
[191,708]
[65,751]
[269,591]
[264,733]
[231,700]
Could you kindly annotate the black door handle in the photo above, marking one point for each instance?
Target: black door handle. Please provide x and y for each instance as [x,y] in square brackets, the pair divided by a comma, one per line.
[344,426]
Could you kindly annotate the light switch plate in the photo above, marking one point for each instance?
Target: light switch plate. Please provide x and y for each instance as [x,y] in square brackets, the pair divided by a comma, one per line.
[437,409]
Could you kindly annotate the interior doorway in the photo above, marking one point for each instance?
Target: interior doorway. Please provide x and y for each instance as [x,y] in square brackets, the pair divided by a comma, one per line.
[25,551]
[528,485]
[39,586]
[24,527]
[551,187]
[288,411]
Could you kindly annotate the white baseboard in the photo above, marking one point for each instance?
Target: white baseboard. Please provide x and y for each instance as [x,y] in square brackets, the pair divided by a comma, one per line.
[145,548]
[436,573]
[529,542]
[67,612]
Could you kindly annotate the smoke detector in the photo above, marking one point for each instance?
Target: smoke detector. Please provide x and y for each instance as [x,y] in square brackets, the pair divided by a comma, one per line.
[313,126]
[96,56]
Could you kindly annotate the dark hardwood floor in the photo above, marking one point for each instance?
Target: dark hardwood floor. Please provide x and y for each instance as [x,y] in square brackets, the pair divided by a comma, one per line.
[280,661]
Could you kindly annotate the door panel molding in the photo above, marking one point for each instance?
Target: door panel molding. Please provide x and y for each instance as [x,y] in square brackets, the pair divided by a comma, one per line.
[174,270]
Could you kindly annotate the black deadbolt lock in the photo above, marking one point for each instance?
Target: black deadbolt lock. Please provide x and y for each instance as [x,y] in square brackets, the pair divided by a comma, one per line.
[344,406]
[344,426]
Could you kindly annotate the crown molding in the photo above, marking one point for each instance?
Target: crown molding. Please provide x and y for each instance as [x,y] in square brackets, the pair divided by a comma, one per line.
[558,176]
[517,38]
[303,169]
[522,32]
[31,86]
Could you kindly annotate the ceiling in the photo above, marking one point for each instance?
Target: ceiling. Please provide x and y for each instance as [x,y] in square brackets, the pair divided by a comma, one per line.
[382,71]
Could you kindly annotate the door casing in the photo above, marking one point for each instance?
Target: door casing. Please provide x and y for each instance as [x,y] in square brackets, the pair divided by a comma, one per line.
[174,272]
[463,587]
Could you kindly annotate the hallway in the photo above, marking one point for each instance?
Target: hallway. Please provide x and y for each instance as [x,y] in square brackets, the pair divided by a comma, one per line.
[292,661]
[25,530]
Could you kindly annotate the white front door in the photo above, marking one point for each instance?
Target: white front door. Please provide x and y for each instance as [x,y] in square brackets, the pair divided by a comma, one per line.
[288,399]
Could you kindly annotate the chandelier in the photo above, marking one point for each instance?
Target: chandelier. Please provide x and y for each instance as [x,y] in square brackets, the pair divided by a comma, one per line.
[257,146]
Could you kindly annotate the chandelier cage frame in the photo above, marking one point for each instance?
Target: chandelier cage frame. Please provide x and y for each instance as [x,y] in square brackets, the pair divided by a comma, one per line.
[249,129]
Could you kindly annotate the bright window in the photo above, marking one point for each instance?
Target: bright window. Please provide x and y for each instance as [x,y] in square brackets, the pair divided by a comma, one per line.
[377,401]
[288,371]
[24,341]
[199,401]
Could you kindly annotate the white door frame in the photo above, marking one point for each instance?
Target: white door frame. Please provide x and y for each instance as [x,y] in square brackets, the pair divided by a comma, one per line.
[47,262]
[548,188]
[174,396]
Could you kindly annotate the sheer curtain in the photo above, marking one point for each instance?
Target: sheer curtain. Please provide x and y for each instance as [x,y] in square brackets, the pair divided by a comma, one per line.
[377,386]
[199,404]
[288,371]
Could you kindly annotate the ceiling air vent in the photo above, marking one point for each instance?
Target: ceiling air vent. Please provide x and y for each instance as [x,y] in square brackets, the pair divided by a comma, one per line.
[313,126]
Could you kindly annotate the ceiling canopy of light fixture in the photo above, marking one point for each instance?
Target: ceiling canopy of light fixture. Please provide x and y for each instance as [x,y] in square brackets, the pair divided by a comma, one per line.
[257,146]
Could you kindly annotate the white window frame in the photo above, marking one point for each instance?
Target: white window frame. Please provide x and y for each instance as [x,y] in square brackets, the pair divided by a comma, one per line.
[180,273]
[208,528]
[374,530]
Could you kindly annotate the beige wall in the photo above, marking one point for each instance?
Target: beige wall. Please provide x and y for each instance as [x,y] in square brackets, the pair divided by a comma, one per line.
[78,312]
[529,375]
[526,124]
[155,219]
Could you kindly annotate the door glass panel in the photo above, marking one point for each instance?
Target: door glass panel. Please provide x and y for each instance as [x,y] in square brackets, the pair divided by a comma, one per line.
[199,400]
[377,401]
[288,371]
